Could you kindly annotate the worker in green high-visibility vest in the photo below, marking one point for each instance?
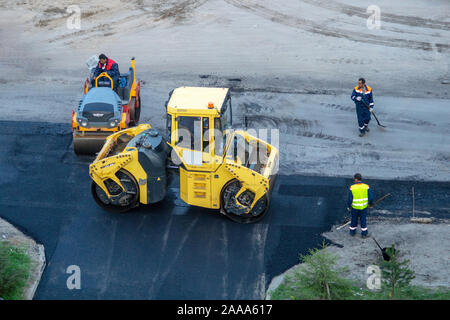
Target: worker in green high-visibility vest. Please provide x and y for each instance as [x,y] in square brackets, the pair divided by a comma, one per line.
[360,197]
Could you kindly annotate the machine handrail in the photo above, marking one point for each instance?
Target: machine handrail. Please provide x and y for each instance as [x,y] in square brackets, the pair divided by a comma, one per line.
[104,74]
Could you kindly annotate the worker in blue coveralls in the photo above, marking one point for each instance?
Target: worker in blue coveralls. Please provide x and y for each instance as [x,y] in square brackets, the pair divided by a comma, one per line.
[360,196]
[363,98]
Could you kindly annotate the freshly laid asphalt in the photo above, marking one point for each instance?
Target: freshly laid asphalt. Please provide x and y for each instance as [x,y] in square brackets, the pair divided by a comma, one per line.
[169,250]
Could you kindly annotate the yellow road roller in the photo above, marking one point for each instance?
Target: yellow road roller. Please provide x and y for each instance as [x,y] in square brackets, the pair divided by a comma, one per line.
[104,110]
[218,167]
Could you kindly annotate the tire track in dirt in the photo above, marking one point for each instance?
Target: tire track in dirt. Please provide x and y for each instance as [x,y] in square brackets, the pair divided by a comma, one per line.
[387,17]
[314,27]
[178,12]
[337,106]
[388,117]
[238,85]
[298,127]
[347,108]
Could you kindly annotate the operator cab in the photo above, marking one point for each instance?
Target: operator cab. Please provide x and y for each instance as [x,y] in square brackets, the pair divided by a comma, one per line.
[197,119]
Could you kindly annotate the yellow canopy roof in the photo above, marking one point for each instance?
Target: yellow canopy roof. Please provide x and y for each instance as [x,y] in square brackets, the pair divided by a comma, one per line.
[197,98]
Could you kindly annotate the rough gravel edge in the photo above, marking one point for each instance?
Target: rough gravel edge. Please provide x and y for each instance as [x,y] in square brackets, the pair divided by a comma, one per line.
[357,253]
[35,251]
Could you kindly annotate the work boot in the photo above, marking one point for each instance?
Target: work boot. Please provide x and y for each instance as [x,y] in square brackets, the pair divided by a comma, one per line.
[362,134]
[364,235]
[352,233]
[367,129]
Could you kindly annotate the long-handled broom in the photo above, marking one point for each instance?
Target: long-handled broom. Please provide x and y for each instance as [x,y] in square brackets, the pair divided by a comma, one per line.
[371,206]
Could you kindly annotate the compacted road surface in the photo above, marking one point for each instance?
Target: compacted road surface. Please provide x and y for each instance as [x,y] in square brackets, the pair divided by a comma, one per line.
[169,250]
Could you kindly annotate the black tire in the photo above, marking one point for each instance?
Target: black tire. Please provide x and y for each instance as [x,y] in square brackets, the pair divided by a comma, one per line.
[256,214]
[137,112]
[132,108]
[123,204]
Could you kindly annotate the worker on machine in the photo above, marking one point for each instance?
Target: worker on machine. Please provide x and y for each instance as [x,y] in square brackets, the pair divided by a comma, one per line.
[109,66]
[360,196]
[362,96]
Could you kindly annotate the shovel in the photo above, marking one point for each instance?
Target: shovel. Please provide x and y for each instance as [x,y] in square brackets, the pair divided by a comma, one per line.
[373,113]
[386,256]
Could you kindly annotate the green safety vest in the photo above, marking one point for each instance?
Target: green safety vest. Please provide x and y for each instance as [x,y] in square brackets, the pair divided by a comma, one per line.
[360,196]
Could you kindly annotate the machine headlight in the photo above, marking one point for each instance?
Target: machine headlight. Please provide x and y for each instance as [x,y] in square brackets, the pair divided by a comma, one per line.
[113,123]
[84,123]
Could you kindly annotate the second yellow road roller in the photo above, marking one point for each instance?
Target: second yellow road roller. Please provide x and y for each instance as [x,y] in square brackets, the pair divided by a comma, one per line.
[104,110]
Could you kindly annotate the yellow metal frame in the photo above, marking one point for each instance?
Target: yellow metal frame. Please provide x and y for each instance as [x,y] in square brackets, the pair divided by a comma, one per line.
[133,92]
[250,179]
[104,74]
[202,185]
[105,167]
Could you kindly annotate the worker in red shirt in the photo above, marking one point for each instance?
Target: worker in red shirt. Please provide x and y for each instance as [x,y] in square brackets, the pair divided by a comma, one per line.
[109,66]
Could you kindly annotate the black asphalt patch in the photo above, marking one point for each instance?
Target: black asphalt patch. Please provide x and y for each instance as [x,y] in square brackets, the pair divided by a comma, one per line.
[169,250]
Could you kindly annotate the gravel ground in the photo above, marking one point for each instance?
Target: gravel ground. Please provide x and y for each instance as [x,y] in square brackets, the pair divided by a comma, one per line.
[429,259]
[291,66]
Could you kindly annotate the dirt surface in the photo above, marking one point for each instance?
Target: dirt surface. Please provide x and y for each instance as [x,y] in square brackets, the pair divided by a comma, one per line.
[291,66]
[428,257]
[34,250]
